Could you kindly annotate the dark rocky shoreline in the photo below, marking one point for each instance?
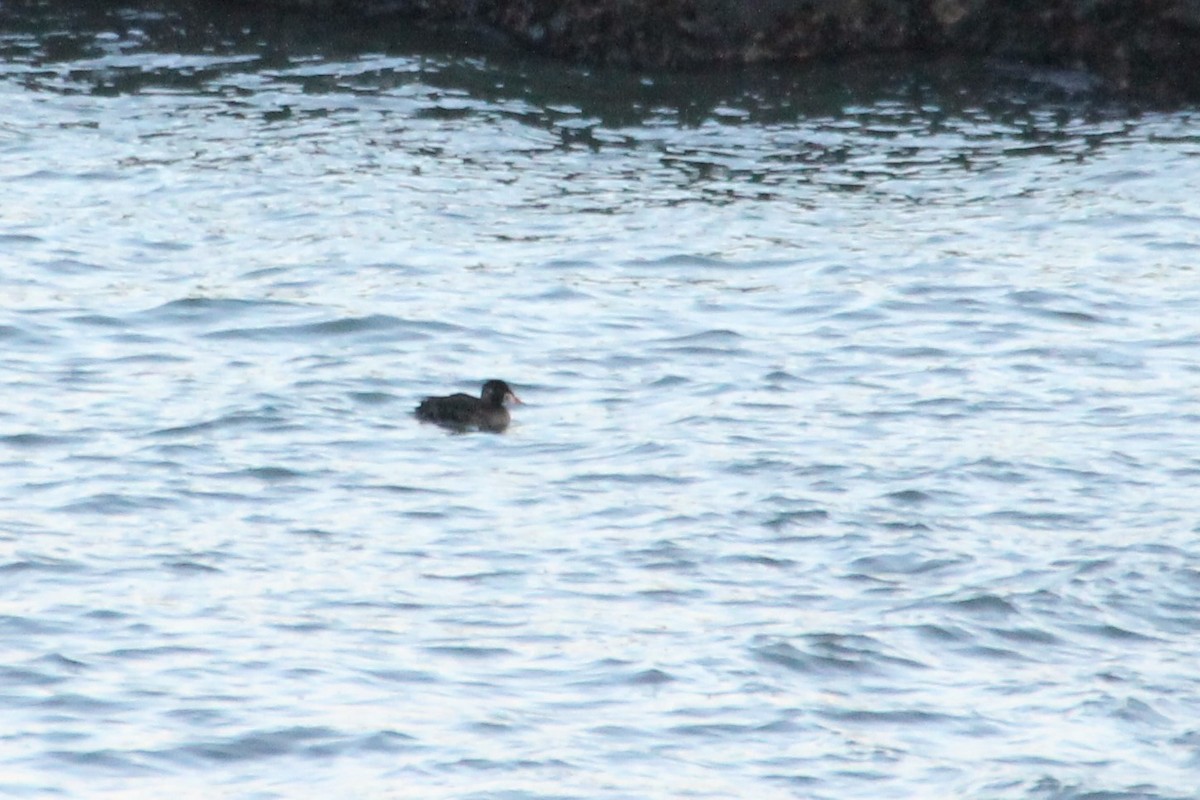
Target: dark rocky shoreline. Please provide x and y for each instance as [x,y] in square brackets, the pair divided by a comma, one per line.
[1147,48]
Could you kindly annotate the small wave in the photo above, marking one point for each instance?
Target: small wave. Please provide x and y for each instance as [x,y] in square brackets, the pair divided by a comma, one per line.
[1045,520]
[144,653]
[804,516]
[909,497]
[465,652]
[51,565]
[650,677]
[34,440]
[209,309]
[373,398]
[397,329]
[265,474]
[113,503]
[257,745]
[984,605]
[903,717]
[187,566]
[22,676]
[638,478]
[1049,305]
[233,420]
[19,238]
[785,655]
[118,761]
[680,260]
[902,564]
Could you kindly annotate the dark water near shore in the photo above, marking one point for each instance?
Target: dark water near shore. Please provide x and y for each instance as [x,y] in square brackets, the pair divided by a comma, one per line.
[859,457]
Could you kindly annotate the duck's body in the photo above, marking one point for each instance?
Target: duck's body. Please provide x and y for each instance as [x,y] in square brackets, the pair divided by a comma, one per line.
[464,412]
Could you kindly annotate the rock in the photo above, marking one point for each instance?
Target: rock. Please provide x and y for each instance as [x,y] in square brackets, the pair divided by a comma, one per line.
[1145,47]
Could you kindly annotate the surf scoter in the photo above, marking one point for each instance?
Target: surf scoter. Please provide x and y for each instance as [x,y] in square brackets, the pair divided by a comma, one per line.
[463,412]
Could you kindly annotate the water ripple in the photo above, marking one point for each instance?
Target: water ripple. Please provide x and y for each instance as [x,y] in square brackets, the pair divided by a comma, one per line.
[856,457]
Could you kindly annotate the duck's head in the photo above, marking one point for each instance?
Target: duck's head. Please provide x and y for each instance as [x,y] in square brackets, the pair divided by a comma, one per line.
[497,393]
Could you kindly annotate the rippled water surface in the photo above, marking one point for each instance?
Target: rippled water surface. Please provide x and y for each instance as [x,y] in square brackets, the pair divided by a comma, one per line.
[858,457]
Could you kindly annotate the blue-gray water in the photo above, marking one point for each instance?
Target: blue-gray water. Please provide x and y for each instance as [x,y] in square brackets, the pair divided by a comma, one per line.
[859,457]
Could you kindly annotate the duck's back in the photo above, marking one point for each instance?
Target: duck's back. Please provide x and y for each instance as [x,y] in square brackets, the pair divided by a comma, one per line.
[455,409]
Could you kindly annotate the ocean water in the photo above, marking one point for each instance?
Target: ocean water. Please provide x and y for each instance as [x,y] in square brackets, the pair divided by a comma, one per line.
[858,458]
